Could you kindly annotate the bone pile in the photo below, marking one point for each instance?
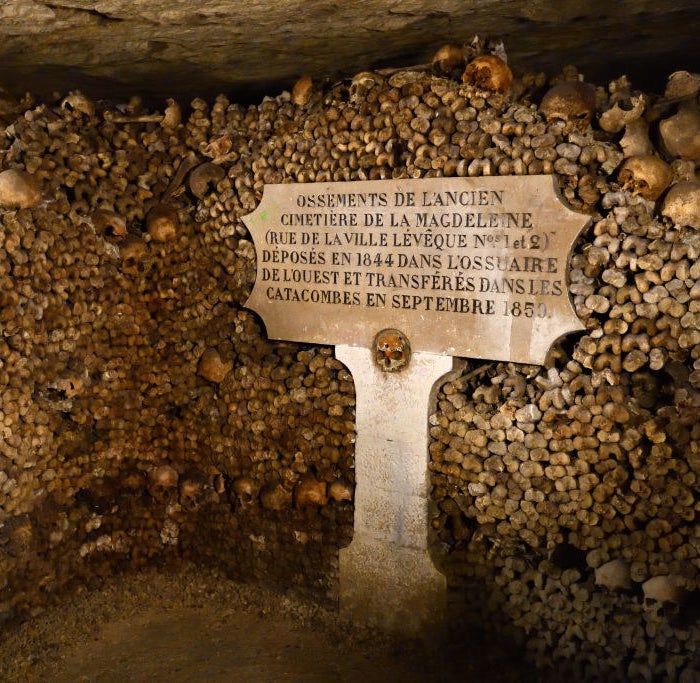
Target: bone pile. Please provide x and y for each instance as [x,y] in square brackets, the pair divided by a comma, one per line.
[144,416]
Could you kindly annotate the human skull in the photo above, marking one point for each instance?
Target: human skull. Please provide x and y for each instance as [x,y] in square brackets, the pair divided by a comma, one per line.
[680,133]
[614,575]
[647,176]
[361,84]
[71,383]
[391,350]
[162,483]
[194,491]
[635,141]
[571,101]
[18,189]
[109,224]
[682,204]
[274,496]
[162,222]
[340,490]
[218,146]
[682,85]
[75,101]
[309,492]
[134,253]
[245,492]
[488,72]
[448,58]
[662,589]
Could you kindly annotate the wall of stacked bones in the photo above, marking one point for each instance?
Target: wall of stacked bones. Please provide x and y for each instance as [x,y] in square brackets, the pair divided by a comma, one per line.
[145,417]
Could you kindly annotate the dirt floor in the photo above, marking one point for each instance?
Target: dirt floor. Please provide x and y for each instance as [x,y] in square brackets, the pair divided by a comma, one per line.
[194,625]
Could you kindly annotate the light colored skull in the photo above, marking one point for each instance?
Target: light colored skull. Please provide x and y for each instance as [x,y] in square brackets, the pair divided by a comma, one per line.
[662,589]
[682,204]
[162,483]
[635,141]
[18,189]
[75,101]
[392,351]
[162,222]
[646,176]
[71,383]
[217,147]
[614,575]
[680,134]
[682,85]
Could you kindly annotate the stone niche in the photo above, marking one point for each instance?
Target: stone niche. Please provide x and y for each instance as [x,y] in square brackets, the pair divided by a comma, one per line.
[146,417]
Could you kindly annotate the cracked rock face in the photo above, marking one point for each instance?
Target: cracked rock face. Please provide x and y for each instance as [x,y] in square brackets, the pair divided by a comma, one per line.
[113,48]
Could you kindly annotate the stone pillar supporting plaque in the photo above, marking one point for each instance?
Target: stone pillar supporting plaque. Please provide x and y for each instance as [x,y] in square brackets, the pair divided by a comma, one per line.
[387,577]
[437,268]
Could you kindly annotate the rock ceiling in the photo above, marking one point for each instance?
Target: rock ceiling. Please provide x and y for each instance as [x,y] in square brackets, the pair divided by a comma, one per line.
[157,48]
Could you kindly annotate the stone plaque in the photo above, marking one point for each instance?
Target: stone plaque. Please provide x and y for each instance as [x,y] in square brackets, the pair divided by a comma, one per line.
[472,267]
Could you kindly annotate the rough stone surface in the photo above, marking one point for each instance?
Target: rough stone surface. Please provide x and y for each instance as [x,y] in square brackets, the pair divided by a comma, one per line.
[116,47]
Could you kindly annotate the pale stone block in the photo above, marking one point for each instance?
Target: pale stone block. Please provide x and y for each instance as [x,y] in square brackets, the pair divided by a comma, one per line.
[391,587]
[387,577]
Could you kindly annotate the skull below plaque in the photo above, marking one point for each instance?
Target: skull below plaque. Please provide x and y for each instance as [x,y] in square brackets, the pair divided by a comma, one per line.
[391,350]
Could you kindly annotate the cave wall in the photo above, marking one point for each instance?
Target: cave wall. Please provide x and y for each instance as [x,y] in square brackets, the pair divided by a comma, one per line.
[127,356]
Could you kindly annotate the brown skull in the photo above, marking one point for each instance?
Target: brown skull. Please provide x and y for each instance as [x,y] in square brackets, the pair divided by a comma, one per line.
[647,176]
[275,496]
[244,491]
[194,491]
[134,254]
[109,224]
[391,350]
[489,73]
[309,492]
[162,222]
[571,101]
[162,484]
[340,490]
